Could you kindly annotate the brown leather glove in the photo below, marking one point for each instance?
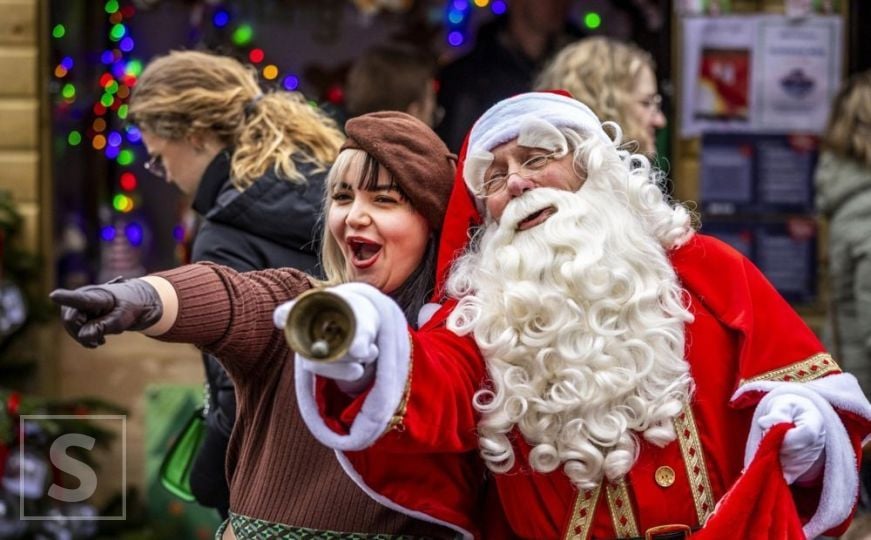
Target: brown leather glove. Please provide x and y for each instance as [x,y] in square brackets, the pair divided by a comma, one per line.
[90,313]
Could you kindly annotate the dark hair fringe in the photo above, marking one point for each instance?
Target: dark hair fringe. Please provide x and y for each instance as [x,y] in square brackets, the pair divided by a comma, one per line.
[369,177]
[418,288]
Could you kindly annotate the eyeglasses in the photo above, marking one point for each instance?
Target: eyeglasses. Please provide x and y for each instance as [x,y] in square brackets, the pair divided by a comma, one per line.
[155,166]
[498,180]
[653,103]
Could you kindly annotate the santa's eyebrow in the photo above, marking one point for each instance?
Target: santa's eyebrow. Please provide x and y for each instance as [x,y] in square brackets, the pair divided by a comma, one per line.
[521,154]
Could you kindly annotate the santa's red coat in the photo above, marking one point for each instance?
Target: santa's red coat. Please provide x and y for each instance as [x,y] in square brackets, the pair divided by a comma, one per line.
[425,460]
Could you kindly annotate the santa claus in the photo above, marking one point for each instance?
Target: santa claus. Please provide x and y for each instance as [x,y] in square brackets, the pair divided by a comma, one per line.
[628,366]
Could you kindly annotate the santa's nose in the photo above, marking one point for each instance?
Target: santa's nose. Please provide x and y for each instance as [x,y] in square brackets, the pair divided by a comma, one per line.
[518,185]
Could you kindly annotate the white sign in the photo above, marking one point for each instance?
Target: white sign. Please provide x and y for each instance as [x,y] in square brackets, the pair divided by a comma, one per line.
[763,73]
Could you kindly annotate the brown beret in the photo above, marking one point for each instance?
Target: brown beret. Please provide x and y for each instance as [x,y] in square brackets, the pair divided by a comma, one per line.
[416,158]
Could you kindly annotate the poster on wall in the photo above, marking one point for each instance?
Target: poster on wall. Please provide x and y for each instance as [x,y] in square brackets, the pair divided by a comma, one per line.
[757,173]
[716,80]
[786,253]
[782,247]
[798,72]
[759,73]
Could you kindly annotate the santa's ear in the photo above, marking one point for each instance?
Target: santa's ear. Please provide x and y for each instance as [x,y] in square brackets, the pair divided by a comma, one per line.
[537,133]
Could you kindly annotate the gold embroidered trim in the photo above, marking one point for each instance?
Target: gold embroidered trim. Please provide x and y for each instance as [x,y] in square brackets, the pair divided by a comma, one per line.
[694,459]
[396,422]
[582,514]
[807,370]
[621,510]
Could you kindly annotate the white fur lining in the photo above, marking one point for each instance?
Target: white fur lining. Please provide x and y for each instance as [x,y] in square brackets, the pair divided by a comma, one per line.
[501,122]
[382,401]
[426,312]
[384,501]
[840,478]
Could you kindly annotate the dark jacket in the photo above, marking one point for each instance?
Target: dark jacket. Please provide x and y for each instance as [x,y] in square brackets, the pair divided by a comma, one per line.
[274,223]
[495,69]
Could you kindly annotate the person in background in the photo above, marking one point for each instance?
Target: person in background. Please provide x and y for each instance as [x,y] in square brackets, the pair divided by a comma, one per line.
[617,80]
[392,77]
[508,53]
[843,196]
[254,166]
[385,202]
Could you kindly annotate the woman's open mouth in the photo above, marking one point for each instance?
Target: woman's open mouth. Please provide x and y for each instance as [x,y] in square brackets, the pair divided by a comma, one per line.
[536,218]
[364,252]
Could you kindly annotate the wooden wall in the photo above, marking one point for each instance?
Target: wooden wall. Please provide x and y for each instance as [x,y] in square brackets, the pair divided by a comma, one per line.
[25,121]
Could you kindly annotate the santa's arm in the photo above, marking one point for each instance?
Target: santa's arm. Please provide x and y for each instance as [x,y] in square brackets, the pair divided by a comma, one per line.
[784,371]
[846,417]
[417,386]
[787,375]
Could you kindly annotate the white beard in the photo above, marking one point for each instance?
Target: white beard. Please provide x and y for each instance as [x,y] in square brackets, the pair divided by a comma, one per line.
[581,322]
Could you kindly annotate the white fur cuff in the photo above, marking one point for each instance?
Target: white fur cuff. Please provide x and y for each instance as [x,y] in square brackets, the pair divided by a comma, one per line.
[840,477]
[382,401]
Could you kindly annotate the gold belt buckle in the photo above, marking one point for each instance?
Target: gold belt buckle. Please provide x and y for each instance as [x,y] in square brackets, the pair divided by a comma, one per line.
[651,533]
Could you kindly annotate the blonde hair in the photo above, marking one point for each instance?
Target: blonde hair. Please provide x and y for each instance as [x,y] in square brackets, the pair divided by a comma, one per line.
[849,131]
[332,259]
[190,92]
[602,73]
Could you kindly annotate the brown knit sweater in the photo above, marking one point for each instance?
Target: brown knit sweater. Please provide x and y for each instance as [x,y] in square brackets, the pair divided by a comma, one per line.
[277,471]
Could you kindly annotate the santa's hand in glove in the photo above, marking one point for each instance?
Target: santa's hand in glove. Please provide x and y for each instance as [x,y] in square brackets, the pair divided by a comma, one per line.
[801,454]
[355,370]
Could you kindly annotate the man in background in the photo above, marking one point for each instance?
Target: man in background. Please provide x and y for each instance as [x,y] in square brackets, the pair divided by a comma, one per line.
[509,51]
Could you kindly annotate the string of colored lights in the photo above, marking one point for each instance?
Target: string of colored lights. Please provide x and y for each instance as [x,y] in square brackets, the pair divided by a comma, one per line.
[108,132]
[458,14]
[242,36]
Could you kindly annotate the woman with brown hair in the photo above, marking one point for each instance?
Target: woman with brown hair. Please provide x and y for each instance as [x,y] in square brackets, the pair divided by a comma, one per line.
[254,165]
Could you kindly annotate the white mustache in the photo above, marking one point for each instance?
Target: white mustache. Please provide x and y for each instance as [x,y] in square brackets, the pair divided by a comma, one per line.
[530,202]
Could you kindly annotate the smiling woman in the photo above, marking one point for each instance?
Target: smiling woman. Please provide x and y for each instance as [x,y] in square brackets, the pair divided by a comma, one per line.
[381,236]
[385,201]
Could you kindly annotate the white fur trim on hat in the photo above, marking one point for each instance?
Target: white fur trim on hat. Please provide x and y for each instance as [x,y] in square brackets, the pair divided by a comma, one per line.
[502,123]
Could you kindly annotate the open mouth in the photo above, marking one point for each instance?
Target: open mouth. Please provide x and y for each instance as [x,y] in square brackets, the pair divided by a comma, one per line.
[363,251]
[536,218]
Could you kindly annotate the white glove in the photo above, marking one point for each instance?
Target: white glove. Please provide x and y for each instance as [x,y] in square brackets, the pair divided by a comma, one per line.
[363,350]
[801,454]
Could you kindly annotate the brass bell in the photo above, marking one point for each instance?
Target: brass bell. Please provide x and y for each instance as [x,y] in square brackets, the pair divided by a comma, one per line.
[320,326]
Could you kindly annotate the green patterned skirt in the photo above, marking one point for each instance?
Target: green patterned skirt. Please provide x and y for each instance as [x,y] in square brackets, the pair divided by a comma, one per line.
[247,528]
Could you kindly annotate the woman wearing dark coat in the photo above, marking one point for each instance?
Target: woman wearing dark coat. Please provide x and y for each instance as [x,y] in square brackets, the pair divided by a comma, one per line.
[254,164]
